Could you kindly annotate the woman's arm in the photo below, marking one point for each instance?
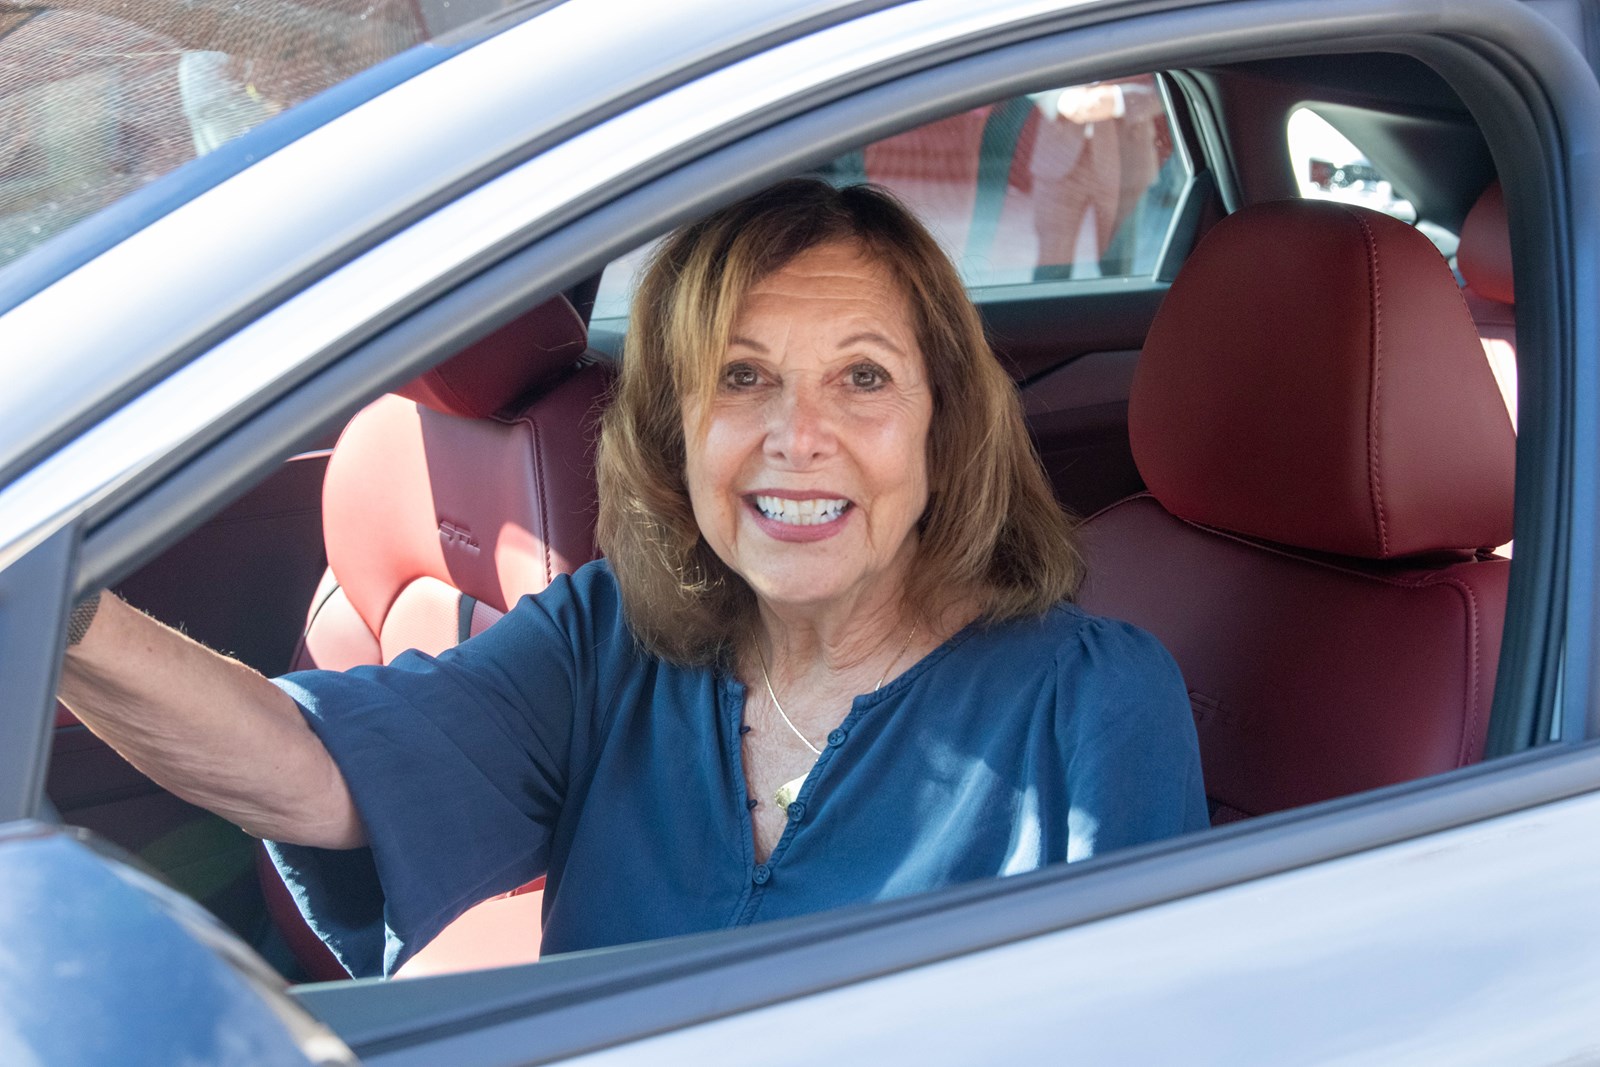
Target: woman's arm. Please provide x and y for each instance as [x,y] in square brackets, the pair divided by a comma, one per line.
[207,728]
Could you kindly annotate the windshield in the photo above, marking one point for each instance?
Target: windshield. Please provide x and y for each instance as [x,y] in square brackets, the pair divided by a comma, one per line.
[98,98]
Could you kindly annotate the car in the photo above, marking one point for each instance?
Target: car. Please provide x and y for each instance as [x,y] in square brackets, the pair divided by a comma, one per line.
[224,242]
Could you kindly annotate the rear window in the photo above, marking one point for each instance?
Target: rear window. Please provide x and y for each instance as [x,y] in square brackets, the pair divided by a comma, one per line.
[1329,166]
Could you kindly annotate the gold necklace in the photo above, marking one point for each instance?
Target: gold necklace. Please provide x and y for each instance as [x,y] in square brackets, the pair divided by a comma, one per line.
[789,790]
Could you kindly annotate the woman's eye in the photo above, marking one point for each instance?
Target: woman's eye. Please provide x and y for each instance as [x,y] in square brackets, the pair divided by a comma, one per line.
[868,376]
[740,376]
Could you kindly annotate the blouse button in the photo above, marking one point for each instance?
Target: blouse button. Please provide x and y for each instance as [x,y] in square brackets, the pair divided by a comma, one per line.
[836,738]
[797,811]
[762,875]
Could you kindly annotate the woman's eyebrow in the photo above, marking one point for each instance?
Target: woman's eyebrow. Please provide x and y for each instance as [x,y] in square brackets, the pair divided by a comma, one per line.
[865,336]
[872,337]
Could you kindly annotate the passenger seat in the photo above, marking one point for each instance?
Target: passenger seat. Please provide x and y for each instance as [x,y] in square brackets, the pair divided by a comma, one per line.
[443,504]
[1328,460]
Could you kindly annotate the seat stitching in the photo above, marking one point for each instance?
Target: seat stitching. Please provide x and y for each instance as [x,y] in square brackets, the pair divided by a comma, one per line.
[1475,633]
[1143,493]
[1288,553]
[1375,478]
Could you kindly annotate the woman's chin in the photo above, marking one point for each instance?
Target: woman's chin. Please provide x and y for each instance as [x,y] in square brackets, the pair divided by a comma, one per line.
[819,589]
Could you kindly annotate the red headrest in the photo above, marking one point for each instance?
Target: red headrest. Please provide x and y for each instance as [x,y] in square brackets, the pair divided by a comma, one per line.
[1484,254]
[488,375]
[1313,378]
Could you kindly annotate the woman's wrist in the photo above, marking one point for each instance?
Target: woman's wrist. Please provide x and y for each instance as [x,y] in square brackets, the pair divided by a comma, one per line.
[82,617]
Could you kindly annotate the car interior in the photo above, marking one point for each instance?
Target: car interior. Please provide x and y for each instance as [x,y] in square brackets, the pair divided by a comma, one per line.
[1337,613]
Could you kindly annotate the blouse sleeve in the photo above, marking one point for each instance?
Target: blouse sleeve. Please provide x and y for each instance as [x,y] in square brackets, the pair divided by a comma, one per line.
[1128,740]
[458,765]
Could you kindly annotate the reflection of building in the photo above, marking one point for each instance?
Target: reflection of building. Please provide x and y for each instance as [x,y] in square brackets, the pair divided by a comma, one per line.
[99,97]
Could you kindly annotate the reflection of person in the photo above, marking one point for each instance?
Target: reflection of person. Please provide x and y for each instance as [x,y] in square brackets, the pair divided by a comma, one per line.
[1095,153]
[829,657]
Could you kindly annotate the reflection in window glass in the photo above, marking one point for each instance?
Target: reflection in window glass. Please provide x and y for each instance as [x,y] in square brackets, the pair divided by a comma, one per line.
[1329,167]
[1079,182]
[100,97]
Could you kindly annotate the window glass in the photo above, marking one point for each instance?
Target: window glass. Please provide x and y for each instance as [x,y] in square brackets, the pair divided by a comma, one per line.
[99,99]
[1329,167]
[1079,182]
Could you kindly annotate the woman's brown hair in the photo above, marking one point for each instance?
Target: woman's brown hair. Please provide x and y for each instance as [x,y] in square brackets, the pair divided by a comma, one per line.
[992,533]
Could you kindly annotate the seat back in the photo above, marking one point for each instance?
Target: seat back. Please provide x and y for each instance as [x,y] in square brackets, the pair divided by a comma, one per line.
[1327,459]
[443,504]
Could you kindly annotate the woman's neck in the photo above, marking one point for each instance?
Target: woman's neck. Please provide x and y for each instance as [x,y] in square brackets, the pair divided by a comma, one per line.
[799,643]
[855,651]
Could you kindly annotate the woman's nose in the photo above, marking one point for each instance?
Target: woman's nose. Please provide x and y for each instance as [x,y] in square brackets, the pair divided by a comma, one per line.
[800,429]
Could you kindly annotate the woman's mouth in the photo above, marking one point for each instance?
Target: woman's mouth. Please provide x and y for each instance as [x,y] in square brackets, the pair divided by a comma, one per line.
[813,512]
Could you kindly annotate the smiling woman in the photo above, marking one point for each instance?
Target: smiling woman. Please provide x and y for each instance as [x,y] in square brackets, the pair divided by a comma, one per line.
[830,657]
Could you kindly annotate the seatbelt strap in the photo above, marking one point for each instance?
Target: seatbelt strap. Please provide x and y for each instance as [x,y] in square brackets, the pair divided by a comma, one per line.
[464,618]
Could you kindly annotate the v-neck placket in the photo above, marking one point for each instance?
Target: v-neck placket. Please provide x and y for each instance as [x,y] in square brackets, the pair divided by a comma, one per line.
[761,875]
[734,694]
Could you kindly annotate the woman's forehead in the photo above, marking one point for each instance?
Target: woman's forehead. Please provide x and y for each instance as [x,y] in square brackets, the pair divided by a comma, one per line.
[836,282]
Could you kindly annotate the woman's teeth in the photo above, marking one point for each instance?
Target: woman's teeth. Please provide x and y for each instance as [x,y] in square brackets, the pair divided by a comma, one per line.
[800,512]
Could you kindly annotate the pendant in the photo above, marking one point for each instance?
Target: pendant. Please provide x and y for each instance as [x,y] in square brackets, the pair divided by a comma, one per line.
[788,791]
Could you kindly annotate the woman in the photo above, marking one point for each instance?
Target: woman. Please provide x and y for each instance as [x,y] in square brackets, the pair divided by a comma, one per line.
[829,657]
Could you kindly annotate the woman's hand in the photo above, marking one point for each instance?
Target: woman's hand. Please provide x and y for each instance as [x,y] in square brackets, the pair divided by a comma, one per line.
[207,728]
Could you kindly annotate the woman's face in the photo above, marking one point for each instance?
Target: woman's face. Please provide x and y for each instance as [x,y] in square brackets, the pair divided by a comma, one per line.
[811,472]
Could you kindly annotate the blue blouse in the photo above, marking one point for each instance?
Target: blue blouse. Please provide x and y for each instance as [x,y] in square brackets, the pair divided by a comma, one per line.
[551,744]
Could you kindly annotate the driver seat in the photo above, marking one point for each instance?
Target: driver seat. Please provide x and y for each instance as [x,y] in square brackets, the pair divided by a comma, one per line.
[443,504]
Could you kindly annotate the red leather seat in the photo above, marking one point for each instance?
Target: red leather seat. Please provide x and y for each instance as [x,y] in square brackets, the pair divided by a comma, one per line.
[1484,259]
[443,504]
[1327,457]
